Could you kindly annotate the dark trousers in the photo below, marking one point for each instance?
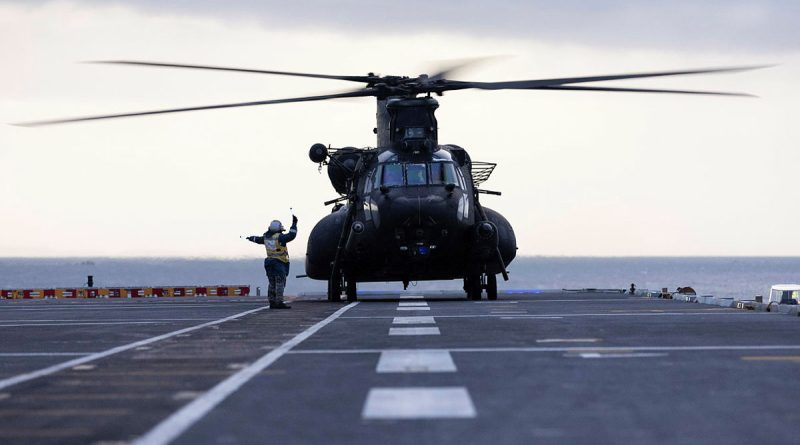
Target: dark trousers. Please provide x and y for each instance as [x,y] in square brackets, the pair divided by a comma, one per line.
[276,274]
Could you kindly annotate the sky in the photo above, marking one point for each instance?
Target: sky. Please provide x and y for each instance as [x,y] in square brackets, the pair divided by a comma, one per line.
[582,173]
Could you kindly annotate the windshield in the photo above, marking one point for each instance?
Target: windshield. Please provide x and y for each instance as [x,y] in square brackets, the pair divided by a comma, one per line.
[392,175]
[399,174]
[443,173]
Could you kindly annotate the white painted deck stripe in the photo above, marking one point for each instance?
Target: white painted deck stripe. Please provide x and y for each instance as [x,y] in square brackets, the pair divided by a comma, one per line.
[418,403]
[173,426]
[626,355]
[415,360]
[414,320]
[5,383]
[573,349]
[496,302]
[410,304]
[402,308]
[414,331]
[412,297]
[568,340]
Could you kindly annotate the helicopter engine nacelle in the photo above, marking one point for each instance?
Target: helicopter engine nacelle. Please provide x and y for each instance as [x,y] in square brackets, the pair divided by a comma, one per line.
[506,239]
[485,239]
[341,166]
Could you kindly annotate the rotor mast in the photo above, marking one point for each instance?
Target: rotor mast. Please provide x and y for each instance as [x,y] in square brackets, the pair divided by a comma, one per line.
[382,122]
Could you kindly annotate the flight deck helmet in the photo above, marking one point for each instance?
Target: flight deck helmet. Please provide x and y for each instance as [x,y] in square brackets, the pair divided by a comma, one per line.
[276,226]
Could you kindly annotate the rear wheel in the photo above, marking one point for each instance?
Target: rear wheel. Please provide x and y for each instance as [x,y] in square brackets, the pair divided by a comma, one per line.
[351,291]
[491,287]
[335,287]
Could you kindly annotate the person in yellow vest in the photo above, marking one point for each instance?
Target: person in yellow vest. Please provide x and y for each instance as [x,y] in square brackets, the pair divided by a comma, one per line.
[276,264]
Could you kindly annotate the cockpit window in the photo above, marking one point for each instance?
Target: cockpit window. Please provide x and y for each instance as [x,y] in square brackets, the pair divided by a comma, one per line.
[443,173]
[392,175]
[399,174]
[414,133]
[416,174]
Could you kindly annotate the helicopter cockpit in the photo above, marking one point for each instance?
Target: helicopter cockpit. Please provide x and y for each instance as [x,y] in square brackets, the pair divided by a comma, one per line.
[410,174]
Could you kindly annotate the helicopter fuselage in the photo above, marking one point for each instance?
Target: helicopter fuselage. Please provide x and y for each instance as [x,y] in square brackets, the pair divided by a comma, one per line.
[415,217]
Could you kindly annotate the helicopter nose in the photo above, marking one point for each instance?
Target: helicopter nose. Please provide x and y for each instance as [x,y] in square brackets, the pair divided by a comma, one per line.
[429,210]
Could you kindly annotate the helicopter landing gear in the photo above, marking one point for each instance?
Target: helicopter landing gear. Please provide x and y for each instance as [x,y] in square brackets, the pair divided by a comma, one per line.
[335,287]
[475,284]
[472,285]
[351,292]
[491,286]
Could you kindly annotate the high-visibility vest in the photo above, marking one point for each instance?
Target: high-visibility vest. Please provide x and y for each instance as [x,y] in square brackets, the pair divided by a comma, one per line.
[275,249]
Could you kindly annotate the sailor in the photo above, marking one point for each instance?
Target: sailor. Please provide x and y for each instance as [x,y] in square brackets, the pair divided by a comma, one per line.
[276,264]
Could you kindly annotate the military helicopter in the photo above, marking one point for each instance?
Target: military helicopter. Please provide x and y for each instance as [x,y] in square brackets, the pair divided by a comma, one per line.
[409,208]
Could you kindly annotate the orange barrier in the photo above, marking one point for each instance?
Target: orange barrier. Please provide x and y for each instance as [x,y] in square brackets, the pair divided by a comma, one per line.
[127,292]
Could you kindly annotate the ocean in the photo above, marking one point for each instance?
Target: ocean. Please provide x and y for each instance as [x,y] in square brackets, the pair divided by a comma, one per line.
[739,277]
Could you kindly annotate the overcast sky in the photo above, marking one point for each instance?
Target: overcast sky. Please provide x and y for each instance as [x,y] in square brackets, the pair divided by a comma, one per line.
[581,173]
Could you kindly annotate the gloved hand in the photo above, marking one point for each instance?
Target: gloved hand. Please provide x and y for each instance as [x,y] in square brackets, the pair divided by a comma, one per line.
[250,238]
[294,220]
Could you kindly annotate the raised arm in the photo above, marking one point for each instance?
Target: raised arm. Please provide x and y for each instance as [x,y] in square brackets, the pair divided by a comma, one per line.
[285,238]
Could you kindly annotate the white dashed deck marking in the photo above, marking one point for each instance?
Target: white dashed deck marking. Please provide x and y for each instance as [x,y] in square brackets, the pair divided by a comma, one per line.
[413,320]
[414,331]
[412,303]
[412,297]
[413,308]
[415,360]
[418,403]
[621,355]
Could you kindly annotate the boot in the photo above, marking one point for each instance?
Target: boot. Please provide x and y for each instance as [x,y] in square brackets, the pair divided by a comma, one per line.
[280,305]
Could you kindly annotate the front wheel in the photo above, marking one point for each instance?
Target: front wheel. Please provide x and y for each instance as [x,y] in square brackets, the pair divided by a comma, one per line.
[351,291]
[491,286]
[335,288]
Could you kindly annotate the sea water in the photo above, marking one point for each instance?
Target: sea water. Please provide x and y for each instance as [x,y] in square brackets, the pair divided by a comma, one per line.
[740,277]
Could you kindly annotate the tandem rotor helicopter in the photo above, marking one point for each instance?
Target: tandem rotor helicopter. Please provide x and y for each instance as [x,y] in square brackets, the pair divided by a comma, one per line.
[409,208]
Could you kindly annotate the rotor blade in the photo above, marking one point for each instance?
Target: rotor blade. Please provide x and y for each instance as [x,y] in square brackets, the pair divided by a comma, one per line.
[356,93]
[365,79]
[533,84]
[644,90]
[447,68]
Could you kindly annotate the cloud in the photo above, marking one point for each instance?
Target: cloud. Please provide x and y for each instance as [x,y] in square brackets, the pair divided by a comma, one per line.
[715,25]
